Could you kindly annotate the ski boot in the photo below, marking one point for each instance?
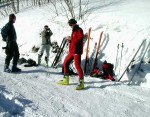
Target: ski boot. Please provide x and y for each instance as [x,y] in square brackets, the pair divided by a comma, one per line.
[65,80]
[6,69]
[15,69]
[81,84]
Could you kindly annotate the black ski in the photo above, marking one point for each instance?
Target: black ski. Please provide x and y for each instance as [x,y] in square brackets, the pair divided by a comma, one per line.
[92,58]
[61,48]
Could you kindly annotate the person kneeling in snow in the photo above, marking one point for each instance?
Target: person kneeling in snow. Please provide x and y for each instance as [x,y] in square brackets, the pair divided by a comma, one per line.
[75,51]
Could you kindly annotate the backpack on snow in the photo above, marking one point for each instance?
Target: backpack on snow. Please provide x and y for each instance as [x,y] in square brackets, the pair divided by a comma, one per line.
[105,73]
[107,68]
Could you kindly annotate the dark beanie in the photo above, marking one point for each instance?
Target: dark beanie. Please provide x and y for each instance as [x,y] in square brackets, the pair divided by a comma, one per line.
[72,21]
[46,26]
[11,17]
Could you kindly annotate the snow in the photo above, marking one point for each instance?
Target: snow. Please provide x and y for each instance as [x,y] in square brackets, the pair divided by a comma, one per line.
[35,93]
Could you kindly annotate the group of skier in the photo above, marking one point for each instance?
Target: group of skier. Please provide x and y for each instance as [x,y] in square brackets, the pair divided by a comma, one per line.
[75,49]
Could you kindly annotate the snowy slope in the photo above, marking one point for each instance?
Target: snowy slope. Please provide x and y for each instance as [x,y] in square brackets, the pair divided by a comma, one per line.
[34,92]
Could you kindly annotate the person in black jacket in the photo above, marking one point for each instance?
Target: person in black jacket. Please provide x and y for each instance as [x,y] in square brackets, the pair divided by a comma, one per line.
[8,33]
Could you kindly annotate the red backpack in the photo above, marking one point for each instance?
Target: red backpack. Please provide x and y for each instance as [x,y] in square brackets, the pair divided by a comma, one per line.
[105,73]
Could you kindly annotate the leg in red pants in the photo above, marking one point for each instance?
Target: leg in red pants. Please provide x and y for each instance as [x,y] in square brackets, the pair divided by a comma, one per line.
[67,61]
[77,62]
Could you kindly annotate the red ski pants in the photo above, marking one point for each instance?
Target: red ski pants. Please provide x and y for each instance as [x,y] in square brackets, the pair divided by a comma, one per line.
[77,61]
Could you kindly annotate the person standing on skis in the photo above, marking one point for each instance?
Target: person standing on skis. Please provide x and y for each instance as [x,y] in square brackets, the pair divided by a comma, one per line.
[75,52]
[9,35]
[46,43]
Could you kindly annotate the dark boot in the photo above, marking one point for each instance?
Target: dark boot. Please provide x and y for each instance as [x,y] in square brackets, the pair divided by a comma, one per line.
[46,60]
[15,69]
[6,69]
[39,59]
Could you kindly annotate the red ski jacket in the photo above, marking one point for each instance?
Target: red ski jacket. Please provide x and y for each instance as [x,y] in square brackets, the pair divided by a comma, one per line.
[76,42]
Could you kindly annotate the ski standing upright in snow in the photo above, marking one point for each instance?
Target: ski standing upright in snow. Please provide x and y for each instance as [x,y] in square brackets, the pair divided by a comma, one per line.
[97,51]
[87,51]
[137,69]
[132,59]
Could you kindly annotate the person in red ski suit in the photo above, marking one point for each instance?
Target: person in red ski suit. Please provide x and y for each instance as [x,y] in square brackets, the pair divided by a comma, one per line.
[75,52]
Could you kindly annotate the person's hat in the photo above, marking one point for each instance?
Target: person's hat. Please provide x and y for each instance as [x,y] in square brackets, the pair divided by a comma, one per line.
[46,26]
[72,21]
[12,16]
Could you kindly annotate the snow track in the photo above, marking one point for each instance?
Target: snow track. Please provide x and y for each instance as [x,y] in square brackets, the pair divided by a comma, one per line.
[44,97]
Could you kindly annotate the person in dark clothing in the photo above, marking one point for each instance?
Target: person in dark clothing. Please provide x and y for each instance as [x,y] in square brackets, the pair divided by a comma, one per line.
[8,33]
[45,45]
[75,51]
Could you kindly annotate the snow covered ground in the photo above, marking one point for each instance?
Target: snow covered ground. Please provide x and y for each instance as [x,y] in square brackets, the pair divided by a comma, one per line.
[34,92]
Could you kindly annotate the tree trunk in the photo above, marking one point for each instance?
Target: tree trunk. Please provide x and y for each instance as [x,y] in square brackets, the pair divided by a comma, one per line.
[18,5]
[13,6]
[80,10]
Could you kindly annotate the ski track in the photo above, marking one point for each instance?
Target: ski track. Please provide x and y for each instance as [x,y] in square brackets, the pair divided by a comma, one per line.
[49,98]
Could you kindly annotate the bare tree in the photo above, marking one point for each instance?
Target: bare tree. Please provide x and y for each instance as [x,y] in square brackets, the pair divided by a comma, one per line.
[18,3]
[69,7]
[54,3]
[39,3]
[69,4]
[80,10]
[13,6]
[66,6]
[65,10]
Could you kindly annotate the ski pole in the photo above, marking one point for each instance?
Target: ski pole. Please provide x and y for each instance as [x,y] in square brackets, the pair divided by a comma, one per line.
[121,57]
[116,57]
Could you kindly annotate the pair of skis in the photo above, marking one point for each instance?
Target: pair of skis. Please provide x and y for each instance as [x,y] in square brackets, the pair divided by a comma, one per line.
[139,65]
[87,51]
[63,50]
[132,60]
[60,52]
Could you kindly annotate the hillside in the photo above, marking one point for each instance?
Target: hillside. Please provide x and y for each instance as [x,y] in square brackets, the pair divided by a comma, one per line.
[35,93]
